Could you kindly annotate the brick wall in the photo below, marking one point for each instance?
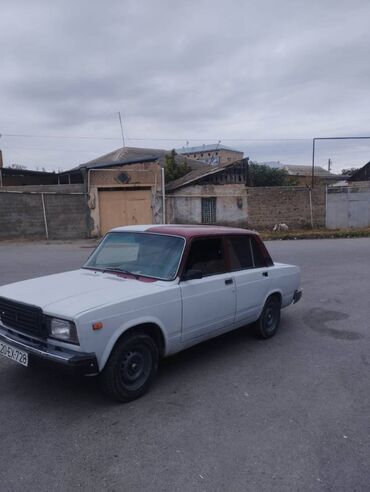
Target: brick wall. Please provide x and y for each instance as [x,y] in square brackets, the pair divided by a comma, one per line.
[21,215]
[285,204]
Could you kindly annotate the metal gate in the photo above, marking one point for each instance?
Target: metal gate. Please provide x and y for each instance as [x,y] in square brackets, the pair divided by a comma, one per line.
[348,207]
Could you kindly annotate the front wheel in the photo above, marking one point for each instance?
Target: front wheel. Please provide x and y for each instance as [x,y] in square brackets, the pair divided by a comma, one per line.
[131,368]
[268,323]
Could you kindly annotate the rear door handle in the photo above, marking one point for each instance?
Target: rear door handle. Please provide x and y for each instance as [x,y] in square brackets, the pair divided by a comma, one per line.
[228,281]
[265,274]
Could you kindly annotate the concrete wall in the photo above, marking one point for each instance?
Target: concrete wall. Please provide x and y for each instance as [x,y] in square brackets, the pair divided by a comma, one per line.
[259,208]
[22,215]
[348,206]
[184,206]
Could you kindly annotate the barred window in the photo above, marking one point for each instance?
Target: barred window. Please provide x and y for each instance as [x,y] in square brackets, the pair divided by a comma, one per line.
[208,210]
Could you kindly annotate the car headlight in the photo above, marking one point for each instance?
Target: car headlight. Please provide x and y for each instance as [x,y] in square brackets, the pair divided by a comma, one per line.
[62,329]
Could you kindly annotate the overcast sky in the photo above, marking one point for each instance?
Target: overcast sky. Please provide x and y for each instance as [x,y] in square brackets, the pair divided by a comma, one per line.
[197,71]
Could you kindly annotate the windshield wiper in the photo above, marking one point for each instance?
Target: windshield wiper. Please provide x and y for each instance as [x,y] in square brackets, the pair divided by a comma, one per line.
[120,270]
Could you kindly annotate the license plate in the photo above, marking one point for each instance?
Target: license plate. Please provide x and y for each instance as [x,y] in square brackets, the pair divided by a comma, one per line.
[13,353]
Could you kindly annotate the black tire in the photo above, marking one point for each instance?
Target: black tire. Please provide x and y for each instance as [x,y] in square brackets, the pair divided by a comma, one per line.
[268,323]
[131,368]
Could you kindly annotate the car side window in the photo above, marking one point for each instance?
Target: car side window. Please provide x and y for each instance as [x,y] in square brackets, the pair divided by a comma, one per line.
[259,259]
[207,255]
[240,253]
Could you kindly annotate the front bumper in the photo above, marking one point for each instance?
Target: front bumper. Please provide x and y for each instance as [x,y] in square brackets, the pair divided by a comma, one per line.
[297,296]
[44,354]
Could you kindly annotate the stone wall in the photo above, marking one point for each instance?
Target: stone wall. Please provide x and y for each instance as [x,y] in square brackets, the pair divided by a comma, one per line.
[286,204]
[22,214]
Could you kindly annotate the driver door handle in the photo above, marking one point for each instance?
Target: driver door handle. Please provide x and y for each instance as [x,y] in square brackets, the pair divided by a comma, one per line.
[228,281]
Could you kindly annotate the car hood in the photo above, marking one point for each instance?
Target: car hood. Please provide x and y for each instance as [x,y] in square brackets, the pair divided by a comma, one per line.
[70,293]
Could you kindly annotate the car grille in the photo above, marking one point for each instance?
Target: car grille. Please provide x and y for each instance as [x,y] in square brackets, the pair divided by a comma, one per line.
[24,318]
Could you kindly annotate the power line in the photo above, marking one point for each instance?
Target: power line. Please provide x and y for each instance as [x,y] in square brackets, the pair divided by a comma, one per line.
[84,137]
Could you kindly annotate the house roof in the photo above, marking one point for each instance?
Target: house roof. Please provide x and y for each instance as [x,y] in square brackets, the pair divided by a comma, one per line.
[197,173]
[364,169]
[132,155]
[204,148]
[13,171]
[123,155]
[298,170]
[295,170]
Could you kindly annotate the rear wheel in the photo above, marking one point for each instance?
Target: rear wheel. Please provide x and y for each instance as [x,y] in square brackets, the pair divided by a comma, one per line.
[268,323]
[131,367]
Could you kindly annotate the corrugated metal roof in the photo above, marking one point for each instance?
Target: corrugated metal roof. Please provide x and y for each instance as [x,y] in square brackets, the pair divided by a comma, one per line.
[296,170]
[123,155]
[201,172]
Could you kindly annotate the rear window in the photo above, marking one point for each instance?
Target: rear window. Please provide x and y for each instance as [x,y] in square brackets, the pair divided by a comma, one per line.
[261,256]
[240,253]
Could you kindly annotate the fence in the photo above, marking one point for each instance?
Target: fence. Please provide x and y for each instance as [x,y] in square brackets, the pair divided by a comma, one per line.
[43,214]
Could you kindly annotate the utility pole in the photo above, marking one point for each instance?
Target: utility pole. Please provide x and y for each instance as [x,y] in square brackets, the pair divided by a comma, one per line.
[329,164]
[120,122]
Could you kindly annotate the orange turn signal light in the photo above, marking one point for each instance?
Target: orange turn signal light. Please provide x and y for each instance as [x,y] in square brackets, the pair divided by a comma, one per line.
[97,326]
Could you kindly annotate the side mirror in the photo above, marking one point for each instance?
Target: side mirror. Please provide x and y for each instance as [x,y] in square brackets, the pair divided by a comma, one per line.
[192,275]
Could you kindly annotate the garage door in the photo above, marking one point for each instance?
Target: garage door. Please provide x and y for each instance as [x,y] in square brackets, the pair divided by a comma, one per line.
[124,207]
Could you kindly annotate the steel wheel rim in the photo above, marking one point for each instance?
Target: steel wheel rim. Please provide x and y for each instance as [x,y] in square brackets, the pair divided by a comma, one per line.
[269,319]
[135,367]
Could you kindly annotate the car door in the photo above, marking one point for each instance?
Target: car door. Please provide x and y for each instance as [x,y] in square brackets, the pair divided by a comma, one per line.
[251,275]
[208,303]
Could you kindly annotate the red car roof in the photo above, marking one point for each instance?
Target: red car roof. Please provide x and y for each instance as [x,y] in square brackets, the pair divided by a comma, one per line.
[190,231]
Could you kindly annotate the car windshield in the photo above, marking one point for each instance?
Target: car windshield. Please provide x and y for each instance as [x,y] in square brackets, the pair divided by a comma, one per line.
[138,253]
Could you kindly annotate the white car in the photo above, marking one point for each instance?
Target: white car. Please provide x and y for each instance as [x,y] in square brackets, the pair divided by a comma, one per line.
[144,293]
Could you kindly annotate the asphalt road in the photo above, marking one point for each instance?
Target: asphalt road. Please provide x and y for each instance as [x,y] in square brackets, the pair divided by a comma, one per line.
[232,414]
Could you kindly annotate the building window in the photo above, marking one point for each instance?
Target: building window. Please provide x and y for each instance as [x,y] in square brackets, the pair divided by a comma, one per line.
[208,210]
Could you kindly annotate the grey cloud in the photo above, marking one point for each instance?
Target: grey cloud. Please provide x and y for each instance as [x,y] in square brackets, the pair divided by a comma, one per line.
[212,69]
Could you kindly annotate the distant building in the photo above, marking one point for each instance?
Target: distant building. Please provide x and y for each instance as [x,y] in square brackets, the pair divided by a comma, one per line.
[214,154]
[362,174]
[303,174]
[11,176]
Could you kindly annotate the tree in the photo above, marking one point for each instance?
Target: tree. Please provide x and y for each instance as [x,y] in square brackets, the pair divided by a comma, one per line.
[262,175]
[349,172]
[173,169]
[17,166]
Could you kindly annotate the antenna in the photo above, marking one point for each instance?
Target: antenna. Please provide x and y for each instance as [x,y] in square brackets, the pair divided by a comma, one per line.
[120,122]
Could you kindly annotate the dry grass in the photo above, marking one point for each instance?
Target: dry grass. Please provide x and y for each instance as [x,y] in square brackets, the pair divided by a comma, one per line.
[315,234]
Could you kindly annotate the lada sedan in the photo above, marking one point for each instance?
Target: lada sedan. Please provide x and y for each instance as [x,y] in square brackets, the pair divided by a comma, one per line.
[145,292]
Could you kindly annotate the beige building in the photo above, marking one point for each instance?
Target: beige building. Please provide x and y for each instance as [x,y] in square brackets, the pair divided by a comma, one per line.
[123,187]
[215,154]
